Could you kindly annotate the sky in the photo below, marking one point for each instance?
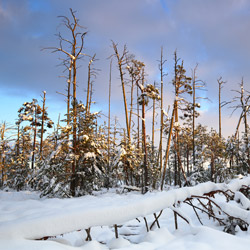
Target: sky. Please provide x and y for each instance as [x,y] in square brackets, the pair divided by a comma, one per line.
[213,34]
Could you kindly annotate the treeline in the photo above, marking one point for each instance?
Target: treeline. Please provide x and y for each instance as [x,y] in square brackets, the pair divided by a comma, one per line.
[82,155]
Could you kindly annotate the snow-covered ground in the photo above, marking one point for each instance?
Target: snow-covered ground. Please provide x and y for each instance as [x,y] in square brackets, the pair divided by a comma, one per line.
[24,218]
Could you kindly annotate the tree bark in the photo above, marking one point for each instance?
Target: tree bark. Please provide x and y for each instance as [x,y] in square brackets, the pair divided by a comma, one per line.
[144,140]
[110,71]
[120,61]
[42,127]
[161,125]
[34,140]
[168,146]
[153,126]
[193,124]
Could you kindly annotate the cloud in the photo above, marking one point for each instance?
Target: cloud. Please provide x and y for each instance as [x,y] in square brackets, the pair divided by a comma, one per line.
[211,33]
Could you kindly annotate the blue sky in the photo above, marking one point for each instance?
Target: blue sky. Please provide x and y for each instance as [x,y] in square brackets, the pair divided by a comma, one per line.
[214,34]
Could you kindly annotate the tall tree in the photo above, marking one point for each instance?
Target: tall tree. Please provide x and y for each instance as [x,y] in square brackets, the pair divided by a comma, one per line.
[45,120]
[221,104]
[73,52]
[182,85]
[243,104]
[91,73]
[161,65]
[122,61]
[109,114]
[31,111]
[196,85]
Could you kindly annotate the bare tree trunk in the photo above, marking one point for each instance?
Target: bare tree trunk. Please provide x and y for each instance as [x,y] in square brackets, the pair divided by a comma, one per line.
[177,170]
[238,125]
[221,104]
[153,142]
[138,120]
[245,108]
[212,167]
[89,83]
[238,149]
[161,125]
[125,164]
[110,71]
[68,94]
[145,147]
[168,146]
[153,126]
[91,95]
[18,140]
[114,139]
[76,51]
[246,139]
[144,140]
[120,62]
[131,102]
[57,128]
[42,127]
[73,181]
[3,150]
[34,140]
[179,161]
[219,109]
[193,125]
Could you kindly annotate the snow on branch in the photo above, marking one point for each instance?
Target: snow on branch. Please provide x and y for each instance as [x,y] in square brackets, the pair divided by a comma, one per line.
[35,219]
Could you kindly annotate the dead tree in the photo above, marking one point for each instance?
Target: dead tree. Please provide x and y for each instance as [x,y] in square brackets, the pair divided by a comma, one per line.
[91,73]
[3,145]
[42,126]
[161,65]
[243,104]
[110,75]
[75,45]
[34,136]
[122,61]
[136,70]
[18,139]
[170,132]
[196,85]
[143,103]
[221,104]
[153,125]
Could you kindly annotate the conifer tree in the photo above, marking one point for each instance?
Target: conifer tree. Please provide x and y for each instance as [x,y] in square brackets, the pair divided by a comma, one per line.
[182,86]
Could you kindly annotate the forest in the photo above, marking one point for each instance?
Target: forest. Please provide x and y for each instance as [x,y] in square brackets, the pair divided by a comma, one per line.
[82,152]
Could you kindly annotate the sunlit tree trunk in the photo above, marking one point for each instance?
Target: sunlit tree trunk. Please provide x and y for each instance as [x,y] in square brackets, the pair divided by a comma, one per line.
[42,127]
[161,122]
[168,146]
[153,125]
[144,140]
[34,139]
[121,61]
[110,71]
[193,122]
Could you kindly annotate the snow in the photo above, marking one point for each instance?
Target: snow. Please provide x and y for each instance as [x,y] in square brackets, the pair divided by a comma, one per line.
[25,217]
[235,211]
[85,137]
[242,199]
[140,86]
[89,155]
[118,243]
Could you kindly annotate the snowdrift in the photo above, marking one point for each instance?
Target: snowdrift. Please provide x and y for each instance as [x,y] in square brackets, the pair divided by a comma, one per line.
[35,219]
